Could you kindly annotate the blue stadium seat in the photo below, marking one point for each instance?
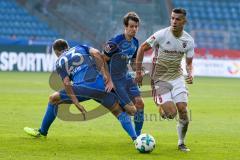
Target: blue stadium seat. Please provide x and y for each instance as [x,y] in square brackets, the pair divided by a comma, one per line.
[14,20]
[213,16]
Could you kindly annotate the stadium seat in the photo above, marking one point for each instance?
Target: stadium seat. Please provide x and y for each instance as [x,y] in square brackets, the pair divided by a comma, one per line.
[15,20]
[214,17]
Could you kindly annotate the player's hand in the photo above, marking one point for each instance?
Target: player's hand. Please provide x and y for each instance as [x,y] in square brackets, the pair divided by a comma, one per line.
[139,78]
[108,85]
[81,109]
[189,79]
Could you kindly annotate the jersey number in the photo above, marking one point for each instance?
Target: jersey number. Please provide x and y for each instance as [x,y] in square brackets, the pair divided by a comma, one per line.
[78,61]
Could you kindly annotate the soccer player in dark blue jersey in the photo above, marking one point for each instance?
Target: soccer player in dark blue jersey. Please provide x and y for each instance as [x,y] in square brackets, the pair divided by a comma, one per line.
[84,77]
[118,51]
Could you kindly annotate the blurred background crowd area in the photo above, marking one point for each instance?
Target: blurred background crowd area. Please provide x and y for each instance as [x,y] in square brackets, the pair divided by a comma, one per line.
[215,24]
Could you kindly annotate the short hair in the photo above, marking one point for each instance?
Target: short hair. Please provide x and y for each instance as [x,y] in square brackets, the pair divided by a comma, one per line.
[60,45]
[180,11]
[130,16]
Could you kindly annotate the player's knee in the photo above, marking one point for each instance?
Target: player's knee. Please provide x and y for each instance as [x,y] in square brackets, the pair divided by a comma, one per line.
[131,110]
[139,104]
[181,106]
[53,98]
[182,111]
[183,114]
[171,115]
[116,109]
[169,110]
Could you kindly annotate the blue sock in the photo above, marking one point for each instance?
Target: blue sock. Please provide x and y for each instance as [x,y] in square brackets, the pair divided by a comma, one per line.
[138,121]
[48,119]
[126,122]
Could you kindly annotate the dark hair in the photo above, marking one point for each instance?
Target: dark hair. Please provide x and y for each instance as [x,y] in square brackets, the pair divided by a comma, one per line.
[180,11]
[130,16]
[60,45]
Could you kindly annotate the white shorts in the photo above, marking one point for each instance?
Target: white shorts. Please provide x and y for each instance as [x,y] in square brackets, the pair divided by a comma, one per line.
[174,90]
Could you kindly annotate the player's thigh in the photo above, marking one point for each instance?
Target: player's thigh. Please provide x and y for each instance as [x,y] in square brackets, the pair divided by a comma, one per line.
[181,98]
[161,92]
[166,103]
[179,91]
[122,93]
[84,93]
[121,90]
[64,98]
[134,94]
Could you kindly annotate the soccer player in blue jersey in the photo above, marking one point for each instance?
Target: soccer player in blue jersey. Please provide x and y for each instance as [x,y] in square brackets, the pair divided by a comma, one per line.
[118,51]
[84,77]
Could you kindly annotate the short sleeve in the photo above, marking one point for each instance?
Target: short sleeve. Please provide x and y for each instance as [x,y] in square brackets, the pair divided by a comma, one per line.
[110,48]
[86,47]
[190,52]
[62,68]
[155,38]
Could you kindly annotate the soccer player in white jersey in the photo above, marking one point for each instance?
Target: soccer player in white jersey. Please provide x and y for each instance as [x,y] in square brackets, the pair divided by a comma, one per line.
[170,93]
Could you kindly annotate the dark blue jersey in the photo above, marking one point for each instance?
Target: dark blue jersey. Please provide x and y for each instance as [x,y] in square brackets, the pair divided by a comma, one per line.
[78,65]
[120,51]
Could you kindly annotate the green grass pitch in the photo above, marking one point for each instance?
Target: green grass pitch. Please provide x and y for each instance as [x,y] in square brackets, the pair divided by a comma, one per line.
[214,131]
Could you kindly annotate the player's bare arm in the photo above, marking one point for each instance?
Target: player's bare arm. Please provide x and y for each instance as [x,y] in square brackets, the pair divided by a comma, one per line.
[101,64]
[140,54]
[189,69]
[68,87]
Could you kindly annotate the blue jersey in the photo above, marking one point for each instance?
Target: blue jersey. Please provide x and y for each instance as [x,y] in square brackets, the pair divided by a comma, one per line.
[121,51]
[78,65]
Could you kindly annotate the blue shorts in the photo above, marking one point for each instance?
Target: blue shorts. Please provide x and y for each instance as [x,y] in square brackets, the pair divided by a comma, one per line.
[91,90]
[126,90]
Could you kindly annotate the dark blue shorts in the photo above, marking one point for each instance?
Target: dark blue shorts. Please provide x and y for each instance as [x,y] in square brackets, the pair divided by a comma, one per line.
[91,90]
[126,90]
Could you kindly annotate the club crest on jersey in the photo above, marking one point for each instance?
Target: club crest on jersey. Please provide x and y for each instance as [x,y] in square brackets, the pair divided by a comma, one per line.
[184,44]
[107,48]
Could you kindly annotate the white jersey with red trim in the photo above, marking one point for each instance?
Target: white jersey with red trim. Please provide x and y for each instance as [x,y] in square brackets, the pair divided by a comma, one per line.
[168,52]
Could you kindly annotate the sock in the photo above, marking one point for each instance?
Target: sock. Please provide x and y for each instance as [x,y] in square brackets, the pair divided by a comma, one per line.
[138,121]
[182,130]
[126,122]
[48,119]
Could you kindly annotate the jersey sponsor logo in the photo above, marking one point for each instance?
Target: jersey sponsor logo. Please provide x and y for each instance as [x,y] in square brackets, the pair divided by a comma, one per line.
[173,52]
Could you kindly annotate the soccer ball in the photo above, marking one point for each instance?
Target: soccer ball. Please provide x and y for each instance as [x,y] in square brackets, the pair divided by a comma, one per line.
[145,143]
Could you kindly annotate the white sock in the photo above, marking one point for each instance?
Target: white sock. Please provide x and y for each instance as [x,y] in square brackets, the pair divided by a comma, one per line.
[182,130]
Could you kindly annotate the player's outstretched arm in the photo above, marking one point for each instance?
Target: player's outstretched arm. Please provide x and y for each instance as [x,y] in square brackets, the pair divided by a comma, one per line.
[140,54]
[71,94]
[101,64]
